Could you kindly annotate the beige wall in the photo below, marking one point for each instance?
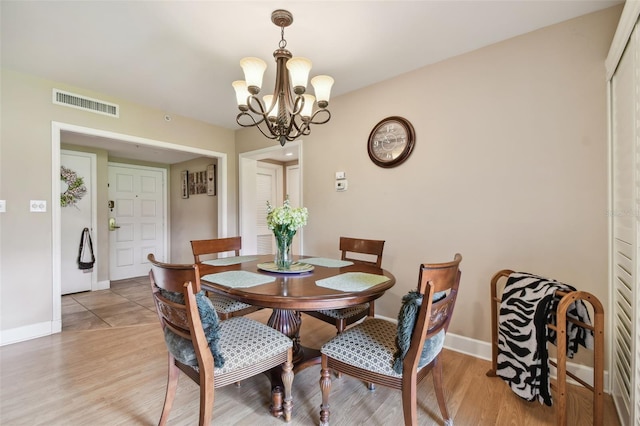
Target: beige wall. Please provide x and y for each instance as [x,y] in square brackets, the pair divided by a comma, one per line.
[509,167]
[193,218]
[25,174]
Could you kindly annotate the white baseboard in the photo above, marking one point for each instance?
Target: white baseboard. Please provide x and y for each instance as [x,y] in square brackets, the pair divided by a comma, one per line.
[20,334]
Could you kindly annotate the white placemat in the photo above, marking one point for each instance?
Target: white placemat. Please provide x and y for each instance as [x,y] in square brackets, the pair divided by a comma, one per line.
[238,279]
[328,263]
[224,261]
[352,281]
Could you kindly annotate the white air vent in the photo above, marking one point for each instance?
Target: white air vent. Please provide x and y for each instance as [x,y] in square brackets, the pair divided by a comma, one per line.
[82,102]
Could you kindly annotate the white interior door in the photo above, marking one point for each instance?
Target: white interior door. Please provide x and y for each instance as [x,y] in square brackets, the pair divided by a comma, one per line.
[139,210]
[73,220]
[268,188]
[293,192]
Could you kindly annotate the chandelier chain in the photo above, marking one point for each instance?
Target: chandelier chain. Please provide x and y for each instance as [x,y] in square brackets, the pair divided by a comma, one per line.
[283,42]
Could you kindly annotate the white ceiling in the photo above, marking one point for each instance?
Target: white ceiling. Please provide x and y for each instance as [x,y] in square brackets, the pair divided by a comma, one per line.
[181,56]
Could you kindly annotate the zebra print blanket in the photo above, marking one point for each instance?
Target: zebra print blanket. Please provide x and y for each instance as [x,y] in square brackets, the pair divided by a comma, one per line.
[528,304]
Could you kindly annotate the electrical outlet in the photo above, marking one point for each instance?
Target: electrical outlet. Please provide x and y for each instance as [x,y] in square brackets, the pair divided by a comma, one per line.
[341,185]
[38,206]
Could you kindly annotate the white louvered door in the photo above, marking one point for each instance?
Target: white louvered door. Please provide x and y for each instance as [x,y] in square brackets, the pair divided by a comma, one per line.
[624,91]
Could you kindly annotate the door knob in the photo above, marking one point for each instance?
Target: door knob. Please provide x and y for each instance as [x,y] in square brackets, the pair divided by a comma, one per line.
[112,224]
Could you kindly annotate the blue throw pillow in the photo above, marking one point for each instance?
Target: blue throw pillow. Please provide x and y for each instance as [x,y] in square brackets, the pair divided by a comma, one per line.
[406,323]
[181,348]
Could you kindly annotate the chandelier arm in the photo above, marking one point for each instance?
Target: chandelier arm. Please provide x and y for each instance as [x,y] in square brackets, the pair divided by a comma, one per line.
[251,117]
[311,120]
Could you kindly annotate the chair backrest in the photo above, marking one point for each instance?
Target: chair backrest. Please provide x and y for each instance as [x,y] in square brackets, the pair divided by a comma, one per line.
[434,317]
[181,319]
[215,246]
[362,246]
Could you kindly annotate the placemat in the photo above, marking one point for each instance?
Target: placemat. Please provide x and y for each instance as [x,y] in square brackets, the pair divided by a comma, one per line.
[352,281]
[238,279]
[224,261]
[328,263]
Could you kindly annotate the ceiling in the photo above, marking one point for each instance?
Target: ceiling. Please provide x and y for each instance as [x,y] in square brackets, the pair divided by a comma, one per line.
[180,57]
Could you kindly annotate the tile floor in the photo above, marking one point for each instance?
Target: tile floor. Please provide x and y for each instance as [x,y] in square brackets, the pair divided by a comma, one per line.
[128,302]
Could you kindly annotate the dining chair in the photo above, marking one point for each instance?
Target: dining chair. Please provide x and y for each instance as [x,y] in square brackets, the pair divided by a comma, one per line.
[225,306]
[213,353]
[399,355]
[352,250]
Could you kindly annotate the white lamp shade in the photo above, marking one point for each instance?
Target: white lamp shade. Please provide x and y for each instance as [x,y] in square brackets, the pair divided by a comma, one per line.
[268,100]
[242,93]
[253,71]
[322,87]
[299,71]
[307,109]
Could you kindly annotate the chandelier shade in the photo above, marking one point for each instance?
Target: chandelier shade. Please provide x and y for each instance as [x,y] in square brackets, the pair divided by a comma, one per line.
[289,112]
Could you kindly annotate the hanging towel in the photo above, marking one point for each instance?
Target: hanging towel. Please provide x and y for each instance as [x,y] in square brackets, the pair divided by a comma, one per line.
[528,304]
[86,259]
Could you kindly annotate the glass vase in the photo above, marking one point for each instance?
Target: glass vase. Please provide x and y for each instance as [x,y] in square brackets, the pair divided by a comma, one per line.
[283,251]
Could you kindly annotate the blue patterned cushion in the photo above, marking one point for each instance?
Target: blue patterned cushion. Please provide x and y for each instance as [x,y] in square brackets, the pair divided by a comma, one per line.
[345,312]
[181,348]
[406,323]
[227,305]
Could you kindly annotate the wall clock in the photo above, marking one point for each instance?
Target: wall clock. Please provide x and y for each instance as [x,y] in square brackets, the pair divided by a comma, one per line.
[391,141]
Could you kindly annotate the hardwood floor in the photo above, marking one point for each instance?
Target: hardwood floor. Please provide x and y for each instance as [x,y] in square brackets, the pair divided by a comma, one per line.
[110,374]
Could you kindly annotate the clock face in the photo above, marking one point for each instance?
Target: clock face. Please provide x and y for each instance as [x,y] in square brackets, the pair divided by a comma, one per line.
[391,141]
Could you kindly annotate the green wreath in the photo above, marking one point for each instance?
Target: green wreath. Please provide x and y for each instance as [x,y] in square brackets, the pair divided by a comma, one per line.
[75,187]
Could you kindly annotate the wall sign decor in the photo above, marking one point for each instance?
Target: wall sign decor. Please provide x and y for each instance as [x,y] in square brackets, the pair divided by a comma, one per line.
[198,183]
[184,183]
[211,180]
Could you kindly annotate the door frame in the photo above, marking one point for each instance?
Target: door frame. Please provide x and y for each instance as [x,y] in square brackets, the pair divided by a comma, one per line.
[56,129]
[262,154]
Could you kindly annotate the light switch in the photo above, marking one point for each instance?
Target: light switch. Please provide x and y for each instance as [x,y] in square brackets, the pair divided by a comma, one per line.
[38,206]
[3,206]
[340,175]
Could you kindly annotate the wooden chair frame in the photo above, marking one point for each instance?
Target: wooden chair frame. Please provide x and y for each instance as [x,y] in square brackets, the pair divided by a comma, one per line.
[354,245]
[217,246]
[432,318]
[560,384]
[184,320]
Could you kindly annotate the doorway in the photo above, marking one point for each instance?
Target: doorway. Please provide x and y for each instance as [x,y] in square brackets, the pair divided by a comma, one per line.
[250,213]
[57,128]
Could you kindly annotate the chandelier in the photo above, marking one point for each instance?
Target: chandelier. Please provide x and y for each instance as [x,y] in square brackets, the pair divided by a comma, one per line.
[289,112]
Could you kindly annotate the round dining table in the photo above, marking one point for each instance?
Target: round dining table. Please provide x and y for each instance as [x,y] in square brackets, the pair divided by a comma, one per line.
[291,292]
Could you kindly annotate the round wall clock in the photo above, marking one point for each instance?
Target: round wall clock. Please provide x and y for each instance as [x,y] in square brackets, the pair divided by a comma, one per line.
[391,142]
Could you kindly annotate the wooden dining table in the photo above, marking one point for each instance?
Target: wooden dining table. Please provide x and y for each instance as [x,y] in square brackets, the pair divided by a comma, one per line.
[290,293]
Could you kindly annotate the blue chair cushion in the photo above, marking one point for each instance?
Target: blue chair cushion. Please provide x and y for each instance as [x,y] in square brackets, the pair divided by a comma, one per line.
[407,316]
[181,348]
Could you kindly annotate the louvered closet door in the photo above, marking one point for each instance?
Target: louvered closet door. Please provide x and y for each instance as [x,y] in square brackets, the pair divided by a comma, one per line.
[625,216]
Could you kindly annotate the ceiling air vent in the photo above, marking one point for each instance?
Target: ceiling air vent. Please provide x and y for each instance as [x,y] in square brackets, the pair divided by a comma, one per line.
[82,102]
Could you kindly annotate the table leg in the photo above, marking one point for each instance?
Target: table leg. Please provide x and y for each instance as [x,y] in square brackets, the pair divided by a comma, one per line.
[288,323]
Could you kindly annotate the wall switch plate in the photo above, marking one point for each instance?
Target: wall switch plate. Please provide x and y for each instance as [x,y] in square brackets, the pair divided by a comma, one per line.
[340,175]
[341,185]
[38,206]
[3,206]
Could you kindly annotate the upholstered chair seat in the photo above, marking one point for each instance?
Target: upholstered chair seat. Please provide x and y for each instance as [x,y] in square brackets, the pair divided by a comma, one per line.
[371,346]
